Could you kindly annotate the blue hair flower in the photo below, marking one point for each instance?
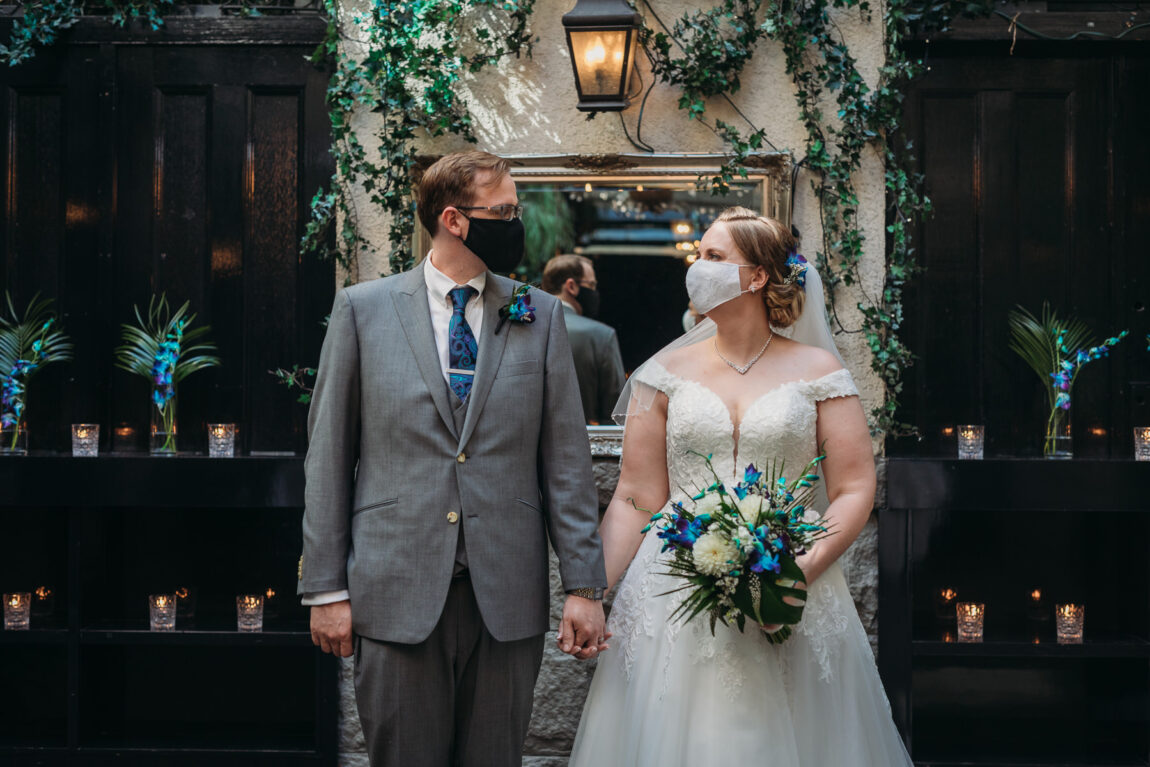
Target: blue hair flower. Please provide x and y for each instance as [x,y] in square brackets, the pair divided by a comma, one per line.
[798,269]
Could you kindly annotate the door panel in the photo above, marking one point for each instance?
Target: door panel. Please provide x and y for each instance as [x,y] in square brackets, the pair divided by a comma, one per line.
[184,169]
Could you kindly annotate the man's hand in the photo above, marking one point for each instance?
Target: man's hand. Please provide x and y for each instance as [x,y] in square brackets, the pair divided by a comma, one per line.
[331,628]
[581,633]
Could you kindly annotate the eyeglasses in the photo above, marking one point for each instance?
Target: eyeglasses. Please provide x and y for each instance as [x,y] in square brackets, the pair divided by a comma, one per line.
[505,212]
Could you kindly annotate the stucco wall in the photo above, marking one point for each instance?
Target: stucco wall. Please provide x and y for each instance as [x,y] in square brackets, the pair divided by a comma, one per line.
[528,106]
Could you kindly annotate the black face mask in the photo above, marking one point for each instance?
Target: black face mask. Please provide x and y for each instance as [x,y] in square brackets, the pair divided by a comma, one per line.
[497,243]
[588,299]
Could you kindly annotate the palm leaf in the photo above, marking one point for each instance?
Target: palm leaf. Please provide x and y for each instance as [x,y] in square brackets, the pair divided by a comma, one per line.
[140,343]
[19,332]
[1036,341]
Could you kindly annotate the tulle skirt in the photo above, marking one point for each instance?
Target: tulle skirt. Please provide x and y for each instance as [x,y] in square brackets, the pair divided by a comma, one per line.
[669,693]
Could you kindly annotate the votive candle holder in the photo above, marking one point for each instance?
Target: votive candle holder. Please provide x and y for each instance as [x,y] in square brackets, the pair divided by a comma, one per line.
[970,617]
[1142,443]
[221,440]
[162,612]
[250,612]
[1069,620]
[85,440]
[970,442]
[17,610]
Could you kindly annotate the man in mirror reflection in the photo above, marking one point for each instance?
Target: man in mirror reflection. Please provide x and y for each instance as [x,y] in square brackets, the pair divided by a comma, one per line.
[594,345]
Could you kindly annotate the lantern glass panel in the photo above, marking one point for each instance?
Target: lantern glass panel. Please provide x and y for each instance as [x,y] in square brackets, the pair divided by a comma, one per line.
[600,56]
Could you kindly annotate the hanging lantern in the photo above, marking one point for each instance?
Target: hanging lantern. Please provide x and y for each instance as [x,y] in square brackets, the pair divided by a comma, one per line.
[601,35]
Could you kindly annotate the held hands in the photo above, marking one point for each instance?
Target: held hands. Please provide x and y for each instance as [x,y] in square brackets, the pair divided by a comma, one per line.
[582,633]
[331,628]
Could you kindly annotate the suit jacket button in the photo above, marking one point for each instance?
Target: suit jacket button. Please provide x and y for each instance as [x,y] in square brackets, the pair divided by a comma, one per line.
[453,517]
[462,457]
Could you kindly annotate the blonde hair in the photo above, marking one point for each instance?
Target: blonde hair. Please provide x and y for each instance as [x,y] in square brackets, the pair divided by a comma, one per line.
[766,242]
[451,181]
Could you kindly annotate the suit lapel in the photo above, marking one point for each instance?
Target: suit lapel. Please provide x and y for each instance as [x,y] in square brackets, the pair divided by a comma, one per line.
[415,318]
[491,346]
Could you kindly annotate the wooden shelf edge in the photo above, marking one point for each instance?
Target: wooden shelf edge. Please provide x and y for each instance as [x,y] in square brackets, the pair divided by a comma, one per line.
[99,636]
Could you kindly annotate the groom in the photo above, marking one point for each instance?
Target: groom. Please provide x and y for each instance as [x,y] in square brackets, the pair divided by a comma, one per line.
[446,447]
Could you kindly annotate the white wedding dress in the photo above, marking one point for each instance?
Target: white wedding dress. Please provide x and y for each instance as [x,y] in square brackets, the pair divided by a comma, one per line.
[667,693]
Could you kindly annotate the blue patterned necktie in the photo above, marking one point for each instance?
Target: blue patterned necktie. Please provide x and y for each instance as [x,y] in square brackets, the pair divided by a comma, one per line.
[462,348]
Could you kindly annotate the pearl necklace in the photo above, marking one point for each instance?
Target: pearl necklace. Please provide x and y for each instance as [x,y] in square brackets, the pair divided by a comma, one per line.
[743,370]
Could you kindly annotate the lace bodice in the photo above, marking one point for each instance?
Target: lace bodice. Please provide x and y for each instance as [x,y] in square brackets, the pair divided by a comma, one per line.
[779,425]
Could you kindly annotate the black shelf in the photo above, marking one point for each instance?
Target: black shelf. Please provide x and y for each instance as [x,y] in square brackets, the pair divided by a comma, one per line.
[1018,484]
[139,480]
[195,637]
[91,684]
[1116,648]
[118,756]
[34,637]
[994,530]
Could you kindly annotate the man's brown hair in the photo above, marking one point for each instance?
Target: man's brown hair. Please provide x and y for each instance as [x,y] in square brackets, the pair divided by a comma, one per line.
[562,268]
[451,181]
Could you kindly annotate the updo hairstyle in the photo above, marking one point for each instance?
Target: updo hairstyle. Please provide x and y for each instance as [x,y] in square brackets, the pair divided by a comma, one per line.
[765,242]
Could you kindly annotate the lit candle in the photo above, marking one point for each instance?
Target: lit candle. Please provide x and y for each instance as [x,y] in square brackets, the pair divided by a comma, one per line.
[1068,622]
[271,593]
[16,611]
[970,621]
[43,592]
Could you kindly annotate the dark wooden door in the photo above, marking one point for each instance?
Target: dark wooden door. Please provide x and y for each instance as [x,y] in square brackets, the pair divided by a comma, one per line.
[136,169]
[1037,168]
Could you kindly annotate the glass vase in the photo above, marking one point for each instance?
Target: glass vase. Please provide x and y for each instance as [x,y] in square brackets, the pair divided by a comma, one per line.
[1058,443]
[14,438]
[162,440]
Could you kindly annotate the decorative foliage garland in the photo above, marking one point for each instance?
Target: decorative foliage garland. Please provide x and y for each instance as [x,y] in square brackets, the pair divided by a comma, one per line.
[403,59]
[716,44]
[44,21]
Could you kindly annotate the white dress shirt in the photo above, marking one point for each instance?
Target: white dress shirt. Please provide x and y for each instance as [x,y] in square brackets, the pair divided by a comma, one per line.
[439,287]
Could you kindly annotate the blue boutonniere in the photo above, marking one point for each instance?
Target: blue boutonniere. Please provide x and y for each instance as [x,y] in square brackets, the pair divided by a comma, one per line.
[519,309]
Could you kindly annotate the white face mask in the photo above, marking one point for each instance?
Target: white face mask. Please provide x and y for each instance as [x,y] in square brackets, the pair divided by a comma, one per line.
[711,283]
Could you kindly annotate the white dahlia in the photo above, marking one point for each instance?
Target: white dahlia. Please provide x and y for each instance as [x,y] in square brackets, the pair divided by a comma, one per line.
[714,554]
[709,504]
[749,507]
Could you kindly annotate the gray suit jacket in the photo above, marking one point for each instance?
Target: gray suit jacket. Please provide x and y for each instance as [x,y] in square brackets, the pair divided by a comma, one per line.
[598,364]
[385,466]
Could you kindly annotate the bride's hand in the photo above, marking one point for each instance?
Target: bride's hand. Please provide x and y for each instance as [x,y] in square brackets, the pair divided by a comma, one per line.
[770,628]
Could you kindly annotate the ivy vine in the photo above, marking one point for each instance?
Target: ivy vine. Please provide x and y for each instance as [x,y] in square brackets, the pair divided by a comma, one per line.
[405,59]
[716,43]
[42,22]
[402,59]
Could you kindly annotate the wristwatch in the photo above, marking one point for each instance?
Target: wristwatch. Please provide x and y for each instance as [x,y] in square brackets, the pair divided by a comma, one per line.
[587,592]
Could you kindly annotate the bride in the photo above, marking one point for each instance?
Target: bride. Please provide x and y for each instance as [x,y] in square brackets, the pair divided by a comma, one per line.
[671,693]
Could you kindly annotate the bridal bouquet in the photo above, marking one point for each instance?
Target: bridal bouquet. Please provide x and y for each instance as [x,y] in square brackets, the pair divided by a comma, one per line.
[735,547]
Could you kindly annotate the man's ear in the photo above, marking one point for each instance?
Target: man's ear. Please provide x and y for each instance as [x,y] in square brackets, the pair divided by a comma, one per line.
[453,221]
[571,287]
